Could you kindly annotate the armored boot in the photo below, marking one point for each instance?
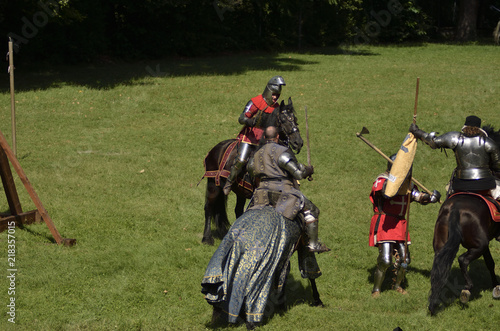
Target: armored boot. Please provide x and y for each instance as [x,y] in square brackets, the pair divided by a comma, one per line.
[235,170]
[400,276]
[312,232]
[402,262]
[378,279]
[383,263]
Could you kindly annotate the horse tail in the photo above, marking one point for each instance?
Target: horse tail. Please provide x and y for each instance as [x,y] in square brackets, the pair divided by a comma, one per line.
[443,260]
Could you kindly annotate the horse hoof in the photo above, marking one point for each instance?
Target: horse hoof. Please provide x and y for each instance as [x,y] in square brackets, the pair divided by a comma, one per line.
[464,296]
[318,303]
[208,241]
[496,292]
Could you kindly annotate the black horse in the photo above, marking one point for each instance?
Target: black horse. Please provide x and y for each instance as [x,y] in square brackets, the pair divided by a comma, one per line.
[463,219]
[218,166]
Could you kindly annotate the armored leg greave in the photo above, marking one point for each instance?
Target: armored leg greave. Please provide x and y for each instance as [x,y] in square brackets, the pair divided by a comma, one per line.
[244,151]
[401,264]
[312,232]
[383,262]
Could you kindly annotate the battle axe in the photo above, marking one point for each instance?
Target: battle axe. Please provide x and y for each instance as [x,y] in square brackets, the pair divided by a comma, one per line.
[365,131]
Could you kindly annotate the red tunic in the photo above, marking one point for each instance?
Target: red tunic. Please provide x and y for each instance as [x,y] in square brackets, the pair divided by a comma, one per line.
[388,224]
[252,134]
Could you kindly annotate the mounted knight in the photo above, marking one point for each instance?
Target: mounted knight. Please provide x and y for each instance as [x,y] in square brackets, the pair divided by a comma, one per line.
[255,118]
[477,156]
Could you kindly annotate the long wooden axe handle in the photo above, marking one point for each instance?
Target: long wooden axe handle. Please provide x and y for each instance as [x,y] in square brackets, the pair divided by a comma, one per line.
[360,136]
[308,147]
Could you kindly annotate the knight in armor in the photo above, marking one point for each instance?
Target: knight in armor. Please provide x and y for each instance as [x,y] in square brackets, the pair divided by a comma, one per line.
[477,156]
[388,227]
[277,172]
[252,119]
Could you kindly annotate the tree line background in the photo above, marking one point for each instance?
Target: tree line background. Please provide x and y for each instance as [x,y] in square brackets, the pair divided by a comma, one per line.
[73,31]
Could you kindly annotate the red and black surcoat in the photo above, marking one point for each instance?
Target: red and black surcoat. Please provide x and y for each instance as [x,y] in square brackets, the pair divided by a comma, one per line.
[388,224]
[252,134]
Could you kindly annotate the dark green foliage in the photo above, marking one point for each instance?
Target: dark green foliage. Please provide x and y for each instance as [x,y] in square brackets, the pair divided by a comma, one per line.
[62,31]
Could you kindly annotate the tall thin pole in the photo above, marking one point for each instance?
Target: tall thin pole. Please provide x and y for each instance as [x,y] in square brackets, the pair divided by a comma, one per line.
[12,98]
[409,192]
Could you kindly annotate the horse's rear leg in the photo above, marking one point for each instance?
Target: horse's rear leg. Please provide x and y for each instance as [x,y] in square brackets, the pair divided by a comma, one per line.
[464,260]
[210,200]
[490,263]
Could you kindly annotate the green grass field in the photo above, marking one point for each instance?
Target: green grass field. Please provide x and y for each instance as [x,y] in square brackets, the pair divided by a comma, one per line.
[115,153]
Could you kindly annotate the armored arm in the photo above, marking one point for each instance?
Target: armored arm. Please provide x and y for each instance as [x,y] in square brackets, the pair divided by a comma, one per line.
[289,163]
[244,119]
[447,140]
[427,138]
[424,197]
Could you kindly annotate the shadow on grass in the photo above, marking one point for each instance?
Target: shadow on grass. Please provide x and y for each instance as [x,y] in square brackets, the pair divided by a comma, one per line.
[37,234]
[296,294]
[109,73]
[451,292]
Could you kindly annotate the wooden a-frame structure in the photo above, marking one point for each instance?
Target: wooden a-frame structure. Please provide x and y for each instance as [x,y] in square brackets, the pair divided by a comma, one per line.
[16,213]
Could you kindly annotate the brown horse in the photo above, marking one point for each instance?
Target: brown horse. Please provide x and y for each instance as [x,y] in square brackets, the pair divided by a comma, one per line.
[463,219]
[218,164]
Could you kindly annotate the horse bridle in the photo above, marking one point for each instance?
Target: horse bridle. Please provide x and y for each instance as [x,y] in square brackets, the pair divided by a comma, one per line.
[289,126]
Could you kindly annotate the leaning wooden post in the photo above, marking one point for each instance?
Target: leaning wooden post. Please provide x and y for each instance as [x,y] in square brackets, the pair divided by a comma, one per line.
[12,98]
[38,203]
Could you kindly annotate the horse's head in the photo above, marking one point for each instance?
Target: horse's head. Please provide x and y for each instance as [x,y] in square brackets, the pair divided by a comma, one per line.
[287,123]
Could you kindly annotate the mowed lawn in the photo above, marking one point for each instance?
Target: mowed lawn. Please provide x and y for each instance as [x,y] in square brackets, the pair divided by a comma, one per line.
[115,153]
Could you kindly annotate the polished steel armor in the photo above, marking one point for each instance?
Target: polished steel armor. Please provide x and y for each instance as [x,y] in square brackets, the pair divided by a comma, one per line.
[244,120]
[475,156]
[290,164]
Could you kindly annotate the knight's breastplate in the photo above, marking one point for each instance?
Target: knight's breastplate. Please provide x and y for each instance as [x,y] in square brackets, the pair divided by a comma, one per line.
[472,158]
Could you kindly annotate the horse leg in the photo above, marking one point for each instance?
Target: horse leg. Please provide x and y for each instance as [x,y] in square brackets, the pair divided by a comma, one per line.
[220,215]
[210,199]
[490,263]
[240,205]
[464,260]
[316,299]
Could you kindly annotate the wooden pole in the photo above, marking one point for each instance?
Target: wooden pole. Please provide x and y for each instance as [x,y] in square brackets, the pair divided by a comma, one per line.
[38,203]
[307,143]
[12,98]
[403,263]
[416,102]
[388,159]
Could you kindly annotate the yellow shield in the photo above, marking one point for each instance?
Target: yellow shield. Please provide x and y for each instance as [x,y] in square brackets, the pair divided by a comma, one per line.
[400,170]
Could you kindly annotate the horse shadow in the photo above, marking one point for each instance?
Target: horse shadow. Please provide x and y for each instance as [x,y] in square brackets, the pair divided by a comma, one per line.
[454,285]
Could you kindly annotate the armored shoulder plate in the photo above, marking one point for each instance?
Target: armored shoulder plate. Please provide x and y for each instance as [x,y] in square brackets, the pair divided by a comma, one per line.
[288,162]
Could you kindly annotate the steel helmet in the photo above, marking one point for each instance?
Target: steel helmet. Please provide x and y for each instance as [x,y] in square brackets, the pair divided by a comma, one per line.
[273,87]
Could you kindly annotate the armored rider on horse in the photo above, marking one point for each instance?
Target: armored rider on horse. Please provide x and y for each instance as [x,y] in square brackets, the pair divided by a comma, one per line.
[253,118]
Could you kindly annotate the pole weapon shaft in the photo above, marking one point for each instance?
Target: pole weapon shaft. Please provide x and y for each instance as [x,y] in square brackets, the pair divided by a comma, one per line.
[409,193]
[389,160]
[308,147]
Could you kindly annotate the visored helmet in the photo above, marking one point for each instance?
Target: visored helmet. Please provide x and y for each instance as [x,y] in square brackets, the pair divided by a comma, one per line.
[273,87]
